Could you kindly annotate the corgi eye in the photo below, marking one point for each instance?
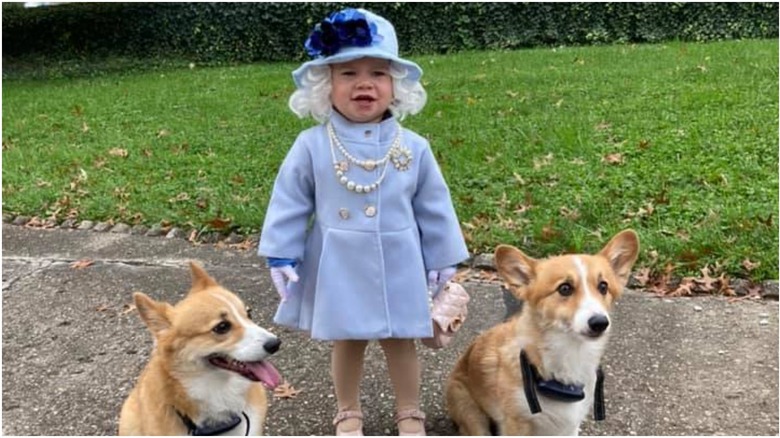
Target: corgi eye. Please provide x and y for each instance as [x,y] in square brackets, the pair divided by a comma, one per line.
[221,328]
[603,287]
[565,289]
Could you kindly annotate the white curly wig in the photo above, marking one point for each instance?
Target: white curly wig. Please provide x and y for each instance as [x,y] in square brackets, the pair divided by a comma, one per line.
[313,97]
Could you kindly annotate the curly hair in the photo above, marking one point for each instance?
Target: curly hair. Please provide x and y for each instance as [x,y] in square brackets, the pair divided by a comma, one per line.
[313,98]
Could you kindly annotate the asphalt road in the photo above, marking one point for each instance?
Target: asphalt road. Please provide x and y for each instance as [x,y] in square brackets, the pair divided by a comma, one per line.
[71,352]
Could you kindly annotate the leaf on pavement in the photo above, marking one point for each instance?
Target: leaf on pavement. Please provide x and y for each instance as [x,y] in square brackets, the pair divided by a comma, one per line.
[285,390]
[81,264]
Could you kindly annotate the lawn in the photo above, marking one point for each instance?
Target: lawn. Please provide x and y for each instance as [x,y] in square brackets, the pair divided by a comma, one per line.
[551,150]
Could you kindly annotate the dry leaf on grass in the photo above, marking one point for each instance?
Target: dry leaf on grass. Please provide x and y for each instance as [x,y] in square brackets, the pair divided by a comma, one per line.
[285,390]
[749,266]
[615,158]
[118,152]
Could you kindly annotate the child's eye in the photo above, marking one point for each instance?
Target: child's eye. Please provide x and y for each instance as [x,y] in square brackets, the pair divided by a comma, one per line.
[348,73]
[380,73]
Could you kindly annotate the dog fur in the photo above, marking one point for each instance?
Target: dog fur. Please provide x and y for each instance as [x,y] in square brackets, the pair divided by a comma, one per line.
[561,328]
[186,375]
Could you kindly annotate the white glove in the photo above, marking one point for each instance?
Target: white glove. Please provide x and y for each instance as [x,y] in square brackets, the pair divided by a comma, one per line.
[437,279]
[281,276]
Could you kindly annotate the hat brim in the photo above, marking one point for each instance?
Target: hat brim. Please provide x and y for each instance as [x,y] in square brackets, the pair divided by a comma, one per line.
[414,72]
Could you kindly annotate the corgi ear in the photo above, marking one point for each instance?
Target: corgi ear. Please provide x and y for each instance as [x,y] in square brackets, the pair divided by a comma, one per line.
[200,279]
[154,313]
[514,266]
[621,252]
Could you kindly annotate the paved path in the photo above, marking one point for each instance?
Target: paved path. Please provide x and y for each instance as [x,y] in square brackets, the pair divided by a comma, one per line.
[685,366]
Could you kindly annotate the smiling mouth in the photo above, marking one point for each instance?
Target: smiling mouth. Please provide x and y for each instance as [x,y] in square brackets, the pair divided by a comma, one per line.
[364,99]
[257,371]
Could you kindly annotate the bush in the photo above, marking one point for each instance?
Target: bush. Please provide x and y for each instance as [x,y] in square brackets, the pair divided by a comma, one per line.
[249,32]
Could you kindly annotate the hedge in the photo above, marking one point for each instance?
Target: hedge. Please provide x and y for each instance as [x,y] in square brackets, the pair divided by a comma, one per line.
[249,32]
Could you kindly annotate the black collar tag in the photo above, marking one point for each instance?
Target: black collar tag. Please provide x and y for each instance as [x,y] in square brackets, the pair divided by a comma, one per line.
[558,391]
[215,428]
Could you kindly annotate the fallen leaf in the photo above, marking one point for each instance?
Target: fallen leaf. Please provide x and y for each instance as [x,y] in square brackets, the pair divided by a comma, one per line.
[706,283]
[219,223]
[102,307]
[163,133]
[614,158]
[749,266]
[285,390]
[118,152]
[684,289]
[183,196]
[127,308]
[81,264]
[642,276]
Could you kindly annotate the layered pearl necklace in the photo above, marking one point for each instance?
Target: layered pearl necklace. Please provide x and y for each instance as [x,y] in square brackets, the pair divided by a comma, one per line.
[400,156]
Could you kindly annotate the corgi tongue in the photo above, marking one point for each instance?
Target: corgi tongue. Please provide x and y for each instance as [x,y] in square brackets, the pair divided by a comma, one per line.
[265,372]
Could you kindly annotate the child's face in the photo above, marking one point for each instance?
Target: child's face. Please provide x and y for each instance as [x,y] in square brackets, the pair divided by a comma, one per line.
[362,89]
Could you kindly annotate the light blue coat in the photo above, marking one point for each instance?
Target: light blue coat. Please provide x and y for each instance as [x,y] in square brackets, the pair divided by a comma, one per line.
[361,276]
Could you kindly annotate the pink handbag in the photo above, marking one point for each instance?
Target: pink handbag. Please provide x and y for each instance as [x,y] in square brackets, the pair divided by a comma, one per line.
[449,312]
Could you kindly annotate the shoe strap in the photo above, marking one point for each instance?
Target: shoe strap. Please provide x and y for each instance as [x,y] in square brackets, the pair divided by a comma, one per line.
[409,413]
[344,415]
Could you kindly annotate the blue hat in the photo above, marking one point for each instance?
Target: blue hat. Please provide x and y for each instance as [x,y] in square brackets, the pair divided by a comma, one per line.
[351,34]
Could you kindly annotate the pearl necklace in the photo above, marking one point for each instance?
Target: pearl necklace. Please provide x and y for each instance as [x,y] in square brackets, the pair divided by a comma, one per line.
[369,165]
[400,156]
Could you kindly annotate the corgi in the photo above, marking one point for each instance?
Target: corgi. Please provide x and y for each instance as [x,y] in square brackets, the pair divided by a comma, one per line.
[538,373]
[207,369]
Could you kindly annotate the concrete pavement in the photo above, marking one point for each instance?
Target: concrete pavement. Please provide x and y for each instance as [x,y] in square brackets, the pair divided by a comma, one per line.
[71,352]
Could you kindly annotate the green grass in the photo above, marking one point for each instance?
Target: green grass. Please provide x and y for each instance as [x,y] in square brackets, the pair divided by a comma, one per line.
[522,137]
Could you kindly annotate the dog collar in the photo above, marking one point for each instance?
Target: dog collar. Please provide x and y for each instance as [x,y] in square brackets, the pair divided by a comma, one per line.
[214,429]
[559,391]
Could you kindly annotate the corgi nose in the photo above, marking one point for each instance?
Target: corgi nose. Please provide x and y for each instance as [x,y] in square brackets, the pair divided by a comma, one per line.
[272,346]
[598,323]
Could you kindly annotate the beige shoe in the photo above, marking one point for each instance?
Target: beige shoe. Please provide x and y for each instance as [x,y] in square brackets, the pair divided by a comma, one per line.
[344,415]
[411,413]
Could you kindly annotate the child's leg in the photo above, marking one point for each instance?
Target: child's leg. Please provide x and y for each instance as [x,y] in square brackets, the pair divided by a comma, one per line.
[404,370]
[347,370]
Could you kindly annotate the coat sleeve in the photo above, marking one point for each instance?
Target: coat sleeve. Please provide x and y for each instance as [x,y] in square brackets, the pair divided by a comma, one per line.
[440,234]
[290,207]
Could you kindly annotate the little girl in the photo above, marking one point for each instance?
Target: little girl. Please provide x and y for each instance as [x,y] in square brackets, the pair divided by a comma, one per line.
[360,224]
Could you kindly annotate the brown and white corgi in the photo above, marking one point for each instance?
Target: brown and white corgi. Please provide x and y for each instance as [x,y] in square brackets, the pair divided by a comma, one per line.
[538,373]
[208,367]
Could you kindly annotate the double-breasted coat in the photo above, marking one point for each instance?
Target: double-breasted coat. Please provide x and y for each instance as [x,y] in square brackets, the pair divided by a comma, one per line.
[362,257]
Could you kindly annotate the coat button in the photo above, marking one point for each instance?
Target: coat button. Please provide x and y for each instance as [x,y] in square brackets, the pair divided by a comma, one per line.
[370,211]
[344,213]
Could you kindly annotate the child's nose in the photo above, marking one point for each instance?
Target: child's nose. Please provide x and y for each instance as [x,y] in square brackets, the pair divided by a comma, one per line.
[365,83]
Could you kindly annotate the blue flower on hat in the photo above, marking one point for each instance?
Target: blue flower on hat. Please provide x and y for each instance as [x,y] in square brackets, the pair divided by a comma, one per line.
[345,28]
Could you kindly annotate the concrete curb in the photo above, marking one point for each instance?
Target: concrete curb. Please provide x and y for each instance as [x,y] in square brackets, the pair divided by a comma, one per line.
[767,289]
